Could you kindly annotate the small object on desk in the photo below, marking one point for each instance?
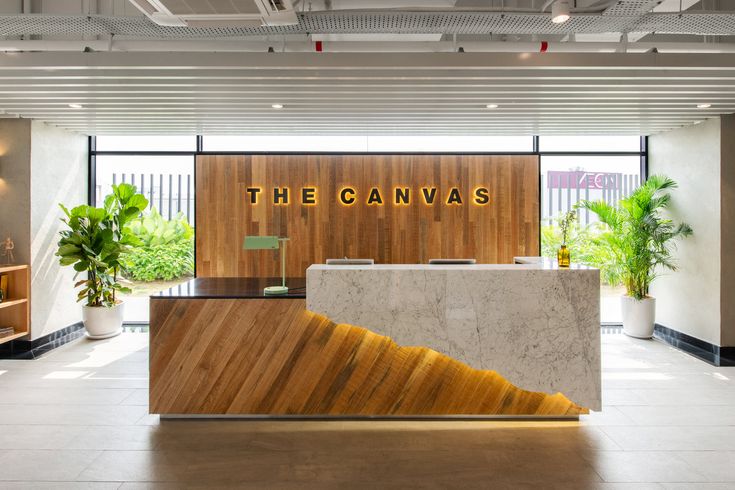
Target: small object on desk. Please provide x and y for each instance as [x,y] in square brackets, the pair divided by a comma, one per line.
[451,261]
[270,243]
[347,261]
[5,331]
[528,260]
[566,223]
[562,256]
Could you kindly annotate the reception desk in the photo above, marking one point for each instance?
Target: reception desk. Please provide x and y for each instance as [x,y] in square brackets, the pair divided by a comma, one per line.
[398,340]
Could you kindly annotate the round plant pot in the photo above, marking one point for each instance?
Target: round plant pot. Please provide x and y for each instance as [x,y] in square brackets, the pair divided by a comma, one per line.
[639,316]
[103,322]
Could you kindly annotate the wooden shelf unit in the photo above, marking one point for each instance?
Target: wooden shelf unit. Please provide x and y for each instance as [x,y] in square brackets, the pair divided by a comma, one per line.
[15,307]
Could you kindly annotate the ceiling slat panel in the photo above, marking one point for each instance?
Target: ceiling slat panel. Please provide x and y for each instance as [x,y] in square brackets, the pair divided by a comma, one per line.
[417,93]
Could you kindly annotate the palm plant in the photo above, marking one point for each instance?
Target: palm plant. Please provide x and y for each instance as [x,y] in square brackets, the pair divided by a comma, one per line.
[638,241]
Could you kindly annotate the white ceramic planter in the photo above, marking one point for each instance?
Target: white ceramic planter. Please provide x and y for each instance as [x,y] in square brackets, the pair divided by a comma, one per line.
[103,322]
[639,316]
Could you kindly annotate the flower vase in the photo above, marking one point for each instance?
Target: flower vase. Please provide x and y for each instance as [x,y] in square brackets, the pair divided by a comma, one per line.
[562,256]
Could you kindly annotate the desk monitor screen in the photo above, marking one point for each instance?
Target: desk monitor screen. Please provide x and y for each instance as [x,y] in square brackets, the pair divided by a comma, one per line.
[347,261]
[452,261]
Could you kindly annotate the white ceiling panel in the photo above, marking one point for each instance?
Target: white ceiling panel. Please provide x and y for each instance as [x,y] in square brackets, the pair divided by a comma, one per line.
[335,93]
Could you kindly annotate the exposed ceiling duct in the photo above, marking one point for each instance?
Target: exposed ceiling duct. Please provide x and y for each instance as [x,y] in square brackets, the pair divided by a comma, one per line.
[457,22]
[235,13]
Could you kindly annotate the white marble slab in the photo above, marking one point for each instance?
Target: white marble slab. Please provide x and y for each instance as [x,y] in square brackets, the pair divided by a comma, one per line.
[535,324]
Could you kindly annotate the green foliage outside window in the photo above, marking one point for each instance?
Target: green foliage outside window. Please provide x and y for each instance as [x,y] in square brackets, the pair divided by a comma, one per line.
[167,250]
[161,262]
[581,244]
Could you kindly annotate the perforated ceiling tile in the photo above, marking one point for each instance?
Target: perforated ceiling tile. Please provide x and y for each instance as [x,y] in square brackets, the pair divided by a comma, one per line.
[693,23]
[457,23]
[631,7]
[392,22]
[18,25]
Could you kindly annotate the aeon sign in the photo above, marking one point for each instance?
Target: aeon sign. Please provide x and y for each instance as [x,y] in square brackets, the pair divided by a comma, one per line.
[579,179]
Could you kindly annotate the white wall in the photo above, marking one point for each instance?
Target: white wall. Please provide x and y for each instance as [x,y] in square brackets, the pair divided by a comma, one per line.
[689,300]
[58,175]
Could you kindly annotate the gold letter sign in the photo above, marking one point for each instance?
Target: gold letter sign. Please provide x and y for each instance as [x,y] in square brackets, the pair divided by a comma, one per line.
[347,196]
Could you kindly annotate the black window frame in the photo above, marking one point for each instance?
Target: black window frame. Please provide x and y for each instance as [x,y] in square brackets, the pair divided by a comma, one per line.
[93,153]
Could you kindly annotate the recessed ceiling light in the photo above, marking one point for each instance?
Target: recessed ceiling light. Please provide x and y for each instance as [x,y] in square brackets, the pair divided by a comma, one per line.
[492,106]
[277,106]
[560,11]
[76,106]
[704,106]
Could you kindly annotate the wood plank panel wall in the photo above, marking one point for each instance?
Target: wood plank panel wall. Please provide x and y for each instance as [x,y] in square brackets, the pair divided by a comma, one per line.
[405,233]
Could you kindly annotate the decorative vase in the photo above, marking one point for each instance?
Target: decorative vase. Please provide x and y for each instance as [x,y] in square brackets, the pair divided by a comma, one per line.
[639,316]
[562,256]
[103,322]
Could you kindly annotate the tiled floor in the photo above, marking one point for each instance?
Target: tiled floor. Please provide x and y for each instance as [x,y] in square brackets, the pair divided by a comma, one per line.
[77,418]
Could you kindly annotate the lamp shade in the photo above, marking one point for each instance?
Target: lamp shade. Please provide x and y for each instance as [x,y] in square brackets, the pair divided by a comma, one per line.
[260,243]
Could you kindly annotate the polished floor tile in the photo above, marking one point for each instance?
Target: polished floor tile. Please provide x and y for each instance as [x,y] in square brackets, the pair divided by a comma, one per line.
[114,438]
[78,418]
[674,437]
[644,466]
[44,464]
[17,436]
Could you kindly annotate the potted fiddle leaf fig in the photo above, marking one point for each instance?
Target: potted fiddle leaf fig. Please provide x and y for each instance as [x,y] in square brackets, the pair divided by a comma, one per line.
[638,243]
[94,243]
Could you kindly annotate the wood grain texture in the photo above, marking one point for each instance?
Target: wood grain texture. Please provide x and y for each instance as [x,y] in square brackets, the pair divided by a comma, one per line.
[508,226]
[15,308]
[272,356]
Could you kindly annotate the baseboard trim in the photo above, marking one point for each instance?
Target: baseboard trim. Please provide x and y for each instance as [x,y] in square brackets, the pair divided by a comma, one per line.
[31,349]
[701,349]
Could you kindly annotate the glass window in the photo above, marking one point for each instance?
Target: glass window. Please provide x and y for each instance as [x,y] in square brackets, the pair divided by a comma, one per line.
[167,256]
[146,143]
[284,143]
[166,180]
[565,180]
[454,144]
[589,143]
[370,143]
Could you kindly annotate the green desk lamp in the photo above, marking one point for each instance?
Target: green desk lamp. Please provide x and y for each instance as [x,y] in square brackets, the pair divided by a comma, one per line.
[270,243]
